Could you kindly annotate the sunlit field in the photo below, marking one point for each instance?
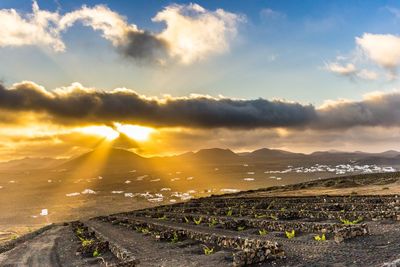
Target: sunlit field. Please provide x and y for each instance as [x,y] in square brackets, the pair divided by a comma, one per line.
[103,182]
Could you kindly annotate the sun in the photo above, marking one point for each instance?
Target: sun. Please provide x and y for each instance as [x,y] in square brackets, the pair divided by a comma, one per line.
[136,132]
[103,131]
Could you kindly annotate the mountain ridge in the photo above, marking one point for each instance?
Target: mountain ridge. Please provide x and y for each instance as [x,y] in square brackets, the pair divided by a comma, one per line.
[122,157]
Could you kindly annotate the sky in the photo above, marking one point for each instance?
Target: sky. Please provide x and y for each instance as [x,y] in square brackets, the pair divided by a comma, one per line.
[302,76]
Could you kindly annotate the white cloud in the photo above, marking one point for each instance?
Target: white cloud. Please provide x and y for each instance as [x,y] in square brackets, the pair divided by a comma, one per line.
[113,25]
[350,70]
[37,28]
[341,69]
[192,33]
[383,49]
[268,14]
[367,74]
[372,50]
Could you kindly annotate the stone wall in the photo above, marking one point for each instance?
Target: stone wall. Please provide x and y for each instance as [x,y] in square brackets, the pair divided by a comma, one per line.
[246,250]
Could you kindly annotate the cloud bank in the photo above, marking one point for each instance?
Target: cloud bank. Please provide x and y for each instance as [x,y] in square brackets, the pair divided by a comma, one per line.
[191,32]
[83,105]
[80,105]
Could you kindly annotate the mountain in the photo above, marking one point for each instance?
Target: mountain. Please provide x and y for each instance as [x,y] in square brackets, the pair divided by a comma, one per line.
[390,157]
[216,154]
[390,153]
[30,164]
[271,154]
[124,160]
[380,160]
[114,158]
[210,155]
[338,156]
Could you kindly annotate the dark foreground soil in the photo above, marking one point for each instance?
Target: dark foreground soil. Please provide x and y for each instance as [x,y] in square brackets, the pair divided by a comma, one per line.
[151,253]
[54,247]
[381,246]
[58,245]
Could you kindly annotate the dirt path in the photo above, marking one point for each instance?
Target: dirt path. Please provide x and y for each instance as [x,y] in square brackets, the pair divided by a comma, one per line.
[55,247]
[38,251]
[153,253]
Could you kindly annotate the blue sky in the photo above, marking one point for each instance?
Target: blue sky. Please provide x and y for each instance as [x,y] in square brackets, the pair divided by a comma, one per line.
[282,56]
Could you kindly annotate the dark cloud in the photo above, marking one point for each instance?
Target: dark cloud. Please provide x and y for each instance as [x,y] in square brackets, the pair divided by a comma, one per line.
[206,112]
[144,47]
[376,110]
[83,106]
[90,106]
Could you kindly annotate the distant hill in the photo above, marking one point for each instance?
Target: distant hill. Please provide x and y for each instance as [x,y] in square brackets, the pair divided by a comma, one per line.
[215,155]
[115,158]
[380,160]
[385,158]
[30,163]
[268,154]
[122,159]
[390,153]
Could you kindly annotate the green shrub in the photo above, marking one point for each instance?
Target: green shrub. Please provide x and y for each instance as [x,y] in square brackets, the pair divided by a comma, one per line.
[241,228]
[145,231]
[186,219]
[79,231]
[175,238]
[163,217]
[263,232]
[320,238]
[96,253]
[213,222]
[207,250]
[273,217]
[86,242]
[290,235]
[198,221]
[229,212]
[348,222]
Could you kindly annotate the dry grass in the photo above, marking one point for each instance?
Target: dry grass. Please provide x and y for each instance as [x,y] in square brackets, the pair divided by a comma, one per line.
[359,190]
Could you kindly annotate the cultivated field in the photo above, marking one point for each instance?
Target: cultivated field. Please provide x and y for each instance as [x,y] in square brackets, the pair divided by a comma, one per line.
[267,227]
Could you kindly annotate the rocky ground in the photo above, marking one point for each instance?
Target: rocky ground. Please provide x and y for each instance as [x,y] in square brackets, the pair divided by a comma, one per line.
[269,227]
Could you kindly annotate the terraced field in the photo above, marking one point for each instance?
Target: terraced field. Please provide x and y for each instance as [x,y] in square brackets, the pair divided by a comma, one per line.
[224,231]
